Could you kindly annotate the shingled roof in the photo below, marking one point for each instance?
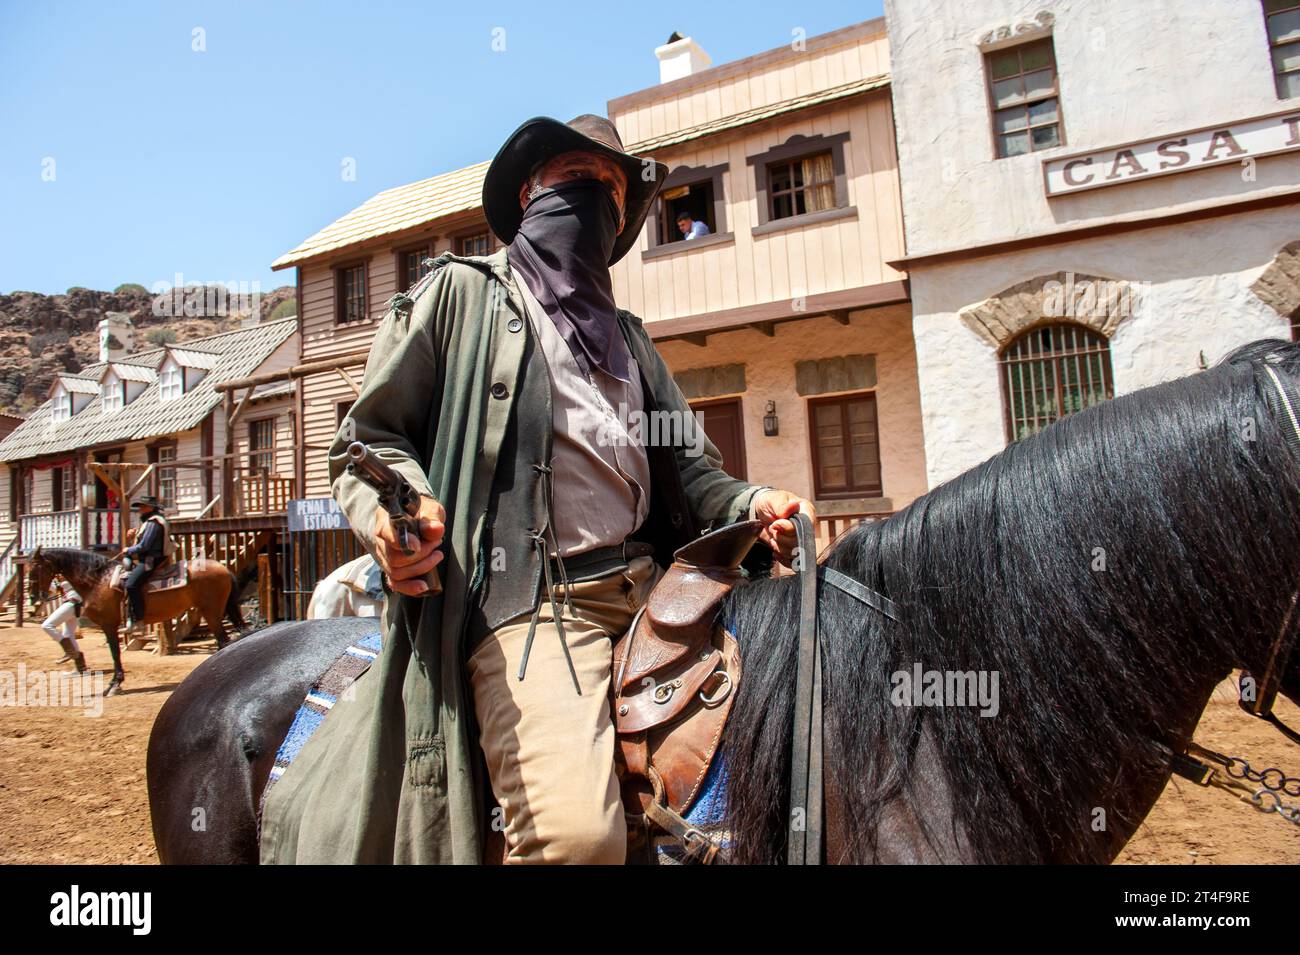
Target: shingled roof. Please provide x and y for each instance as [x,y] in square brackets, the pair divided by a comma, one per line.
[393,210]
[238,354]
[407,207]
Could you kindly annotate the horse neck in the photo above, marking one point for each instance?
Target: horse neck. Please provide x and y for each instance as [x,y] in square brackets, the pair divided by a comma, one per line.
[85,575]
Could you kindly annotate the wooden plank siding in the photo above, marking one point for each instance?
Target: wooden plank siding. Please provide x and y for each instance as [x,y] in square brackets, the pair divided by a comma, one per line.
[803,260]
[773,268]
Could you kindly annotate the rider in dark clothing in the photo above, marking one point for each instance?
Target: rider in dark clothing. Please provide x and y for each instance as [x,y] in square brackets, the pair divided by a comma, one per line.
[146,553]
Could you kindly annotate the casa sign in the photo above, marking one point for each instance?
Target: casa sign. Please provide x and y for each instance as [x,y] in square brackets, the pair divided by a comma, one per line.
[1180,152]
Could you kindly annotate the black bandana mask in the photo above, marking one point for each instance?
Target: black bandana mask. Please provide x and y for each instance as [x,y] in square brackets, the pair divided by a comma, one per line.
[562,251]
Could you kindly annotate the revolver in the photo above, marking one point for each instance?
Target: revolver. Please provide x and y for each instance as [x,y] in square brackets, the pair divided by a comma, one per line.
[395,496]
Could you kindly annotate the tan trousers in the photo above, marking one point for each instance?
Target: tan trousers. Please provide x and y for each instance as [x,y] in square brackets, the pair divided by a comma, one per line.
[550,751]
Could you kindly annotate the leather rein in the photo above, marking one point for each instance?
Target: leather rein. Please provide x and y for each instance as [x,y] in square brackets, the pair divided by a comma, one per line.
[806,834]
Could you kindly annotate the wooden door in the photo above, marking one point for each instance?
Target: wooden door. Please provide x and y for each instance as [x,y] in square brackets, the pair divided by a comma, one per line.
[724,423]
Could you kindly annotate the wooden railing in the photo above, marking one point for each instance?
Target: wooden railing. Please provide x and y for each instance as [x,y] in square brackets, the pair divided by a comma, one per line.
[262,493]
[103,528]
[55,529]
[8,573]
[832,526]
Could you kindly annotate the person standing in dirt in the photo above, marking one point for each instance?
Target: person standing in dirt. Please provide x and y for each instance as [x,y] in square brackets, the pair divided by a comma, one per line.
[62,624]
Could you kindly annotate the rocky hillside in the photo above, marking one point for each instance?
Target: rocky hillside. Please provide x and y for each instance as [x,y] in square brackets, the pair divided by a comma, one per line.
[43,335]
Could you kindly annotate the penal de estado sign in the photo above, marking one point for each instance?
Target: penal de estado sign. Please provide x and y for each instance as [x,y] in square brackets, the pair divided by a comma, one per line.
[1179,152]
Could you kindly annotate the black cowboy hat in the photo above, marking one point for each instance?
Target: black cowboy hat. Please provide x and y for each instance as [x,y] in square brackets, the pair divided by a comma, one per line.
[541,138]
[147,501]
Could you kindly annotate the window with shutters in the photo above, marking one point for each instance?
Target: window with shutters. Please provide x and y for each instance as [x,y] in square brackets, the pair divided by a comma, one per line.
[845,446]
[1051,371]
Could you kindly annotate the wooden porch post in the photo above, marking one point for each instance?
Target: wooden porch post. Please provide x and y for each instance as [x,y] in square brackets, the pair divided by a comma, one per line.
[81,500]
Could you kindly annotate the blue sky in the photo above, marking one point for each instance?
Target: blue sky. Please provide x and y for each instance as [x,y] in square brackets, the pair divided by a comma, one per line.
[128,156]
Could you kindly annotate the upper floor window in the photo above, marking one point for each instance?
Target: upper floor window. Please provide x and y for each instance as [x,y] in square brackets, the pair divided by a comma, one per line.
[845,446]
[171,381]
[261,445]
[164,457]
[480,243]
[1024,97]
[61,405]
[801,185]
[412,266]
[801,179]
[63,488]
[112,397]
[350,286]
[1282,18]
[691,206]
[1051,371]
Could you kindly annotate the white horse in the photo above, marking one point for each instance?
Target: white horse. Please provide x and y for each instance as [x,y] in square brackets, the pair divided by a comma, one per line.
[353,590]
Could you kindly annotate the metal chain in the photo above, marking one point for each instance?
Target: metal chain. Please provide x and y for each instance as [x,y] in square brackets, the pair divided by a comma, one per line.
[1272,781]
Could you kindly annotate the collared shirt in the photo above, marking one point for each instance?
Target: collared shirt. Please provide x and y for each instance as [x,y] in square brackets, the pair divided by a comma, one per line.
[600,471]
[697,230]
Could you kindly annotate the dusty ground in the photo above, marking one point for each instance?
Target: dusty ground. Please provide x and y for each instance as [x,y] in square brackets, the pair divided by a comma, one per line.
[72,787]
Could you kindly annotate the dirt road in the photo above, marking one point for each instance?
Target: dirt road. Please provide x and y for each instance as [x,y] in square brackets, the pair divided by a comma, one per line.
[72,786]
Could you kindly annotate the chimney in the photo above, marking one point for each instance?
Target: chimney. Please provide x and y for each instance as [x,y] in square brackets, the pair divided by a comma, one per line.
[680,56]
[115,336]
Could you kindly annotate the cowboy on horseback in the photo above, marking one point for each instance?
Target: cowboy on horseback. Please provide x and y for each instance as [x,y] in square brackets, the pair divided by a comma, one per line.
[153,546]
[508,390]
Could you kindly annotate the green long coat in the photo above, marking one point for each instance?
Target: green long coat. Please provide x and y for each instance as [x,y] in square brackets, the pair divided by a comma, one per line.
[392,774]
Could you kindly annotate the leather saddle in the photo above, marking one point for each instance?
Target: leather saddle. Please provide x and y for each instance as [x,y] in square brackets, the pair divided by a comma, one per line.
[167,575]
[676,672]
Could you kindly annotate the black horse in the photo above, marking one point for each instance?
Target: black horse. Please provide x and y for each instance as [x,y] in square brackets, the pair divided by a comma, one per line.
[1107,572]
[215,739]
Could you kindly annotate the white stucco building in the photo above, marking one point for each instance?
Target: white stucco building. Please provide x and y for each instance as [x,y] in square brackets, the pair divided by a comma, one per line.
[1097,197]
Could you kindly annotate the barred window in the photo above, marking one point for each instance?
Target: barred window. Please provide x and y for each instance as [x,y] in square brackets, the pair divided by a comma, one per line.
[1282,19]
[351,286]
[1052,371]
[1024,97]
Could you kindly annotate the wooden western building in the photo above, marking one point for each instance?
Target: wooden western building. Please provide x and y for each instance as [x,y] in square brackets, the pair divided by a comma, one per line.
[784,324]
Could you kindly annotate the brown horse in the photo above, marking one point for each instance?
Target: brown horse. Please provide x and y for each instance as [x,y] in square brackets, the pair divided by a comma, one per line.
[210,589]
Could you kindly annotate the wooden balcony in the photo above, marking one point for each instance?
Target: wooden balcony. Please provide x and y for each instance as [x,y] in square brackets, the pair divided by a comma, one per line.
[261,493]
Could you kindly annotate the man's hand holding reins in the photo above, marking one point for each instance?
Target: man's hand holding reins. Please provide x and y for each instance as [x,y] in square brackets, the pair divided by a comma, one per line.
[405,571]
[775,508]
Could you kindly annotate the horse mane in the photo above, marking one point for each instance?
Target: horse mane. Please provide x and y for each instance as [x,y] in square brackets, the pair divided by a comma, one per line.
[1076,563]
[67,560]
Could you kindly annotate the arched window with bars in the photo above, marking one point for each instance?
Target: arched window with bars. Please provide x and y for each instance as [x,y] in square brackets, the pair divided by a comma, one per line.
[1051,371]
